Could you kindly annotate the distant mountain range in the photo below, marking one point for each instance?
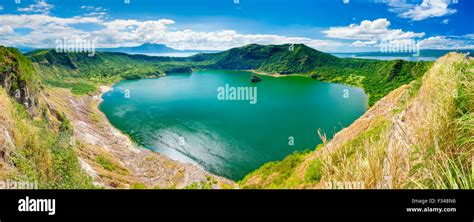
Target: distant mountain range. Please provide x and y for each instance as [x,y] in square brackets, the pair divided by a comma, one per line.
[146,48]
[150,48]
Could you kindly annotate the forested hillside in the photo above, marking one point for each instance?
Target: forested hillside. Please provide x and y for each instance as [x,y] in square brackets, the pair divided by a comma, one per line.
[83,73]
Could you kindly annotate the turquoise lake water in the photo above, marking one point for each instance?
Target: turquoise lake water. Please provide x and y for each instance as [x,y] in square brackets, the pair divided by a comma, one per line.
[184,117]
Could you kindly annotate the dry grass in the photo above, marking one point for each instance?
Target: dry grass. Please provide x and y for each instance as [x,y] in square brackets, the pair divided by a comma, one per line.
[443,155]
[38,150]
[419,136]
[359,159]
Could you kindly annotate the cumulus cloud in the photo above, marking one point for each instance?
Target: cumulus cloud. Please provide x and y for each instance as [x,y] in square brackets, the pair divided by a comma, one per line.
[93,8]
[225,39]
[359,43]
[426,9]
[470,36]
[447,42]
[38,7]
[370,30]
[45,29]
[93,11]
[128,32]
[6,29]
[43,22]
[371,34]
[120,32]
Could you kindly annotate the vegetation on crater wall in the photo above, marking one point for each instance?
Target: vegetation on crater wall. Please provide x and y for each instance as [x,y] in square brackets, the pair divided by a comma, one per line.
[82,73]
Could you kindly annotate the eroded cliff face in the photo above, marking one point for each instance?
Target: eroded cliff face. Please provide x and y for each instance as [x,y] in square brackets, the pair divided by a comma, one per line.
[18,78]
[30,132]
[17,82]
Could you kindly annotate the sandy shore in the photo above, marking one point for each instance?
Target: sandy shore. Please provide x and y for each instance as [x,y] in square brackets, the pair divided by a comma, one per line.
[274,74]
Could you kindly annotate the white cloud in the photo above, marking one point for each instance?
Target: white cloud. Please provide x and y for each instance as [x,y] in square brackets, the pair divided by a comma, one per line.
[370,30]
[226,39]
[93,8]
[445,21]
[96,14]
[426,9]
[139,26]
[46,29]
[119,32]
[370,34]
[38,21]
[359,43]
[6,29]
[38,7]
[127,32]
[470,36]
[93,11]
[447,42]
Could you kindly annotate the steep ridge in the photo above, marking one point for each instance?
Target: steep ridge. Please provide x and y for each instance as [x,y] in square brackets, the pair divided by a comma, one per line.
[420,135]
[283,59]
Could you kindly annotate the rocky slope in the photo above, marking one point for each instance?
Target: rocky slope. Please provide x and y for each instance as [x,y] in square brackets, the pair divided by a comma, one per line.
[110,157]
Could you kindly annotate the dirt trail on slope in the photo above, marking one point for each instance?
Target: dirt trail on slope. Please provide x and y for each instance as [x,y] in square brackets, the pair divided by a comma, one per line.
[396,162]
[414,125]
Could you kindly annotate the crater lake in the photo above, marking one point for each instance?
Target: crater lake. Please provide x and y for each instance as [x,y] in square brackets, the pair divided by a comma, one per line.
[184,116]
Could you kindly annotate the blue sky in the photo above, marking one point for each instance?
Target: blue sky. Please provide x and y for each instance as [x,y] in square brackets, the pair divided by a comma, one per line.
[327,25]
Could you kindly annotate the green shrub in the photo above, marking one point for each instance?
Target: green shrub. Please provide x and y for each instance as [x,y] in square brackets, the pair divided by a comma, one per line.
[105,163]
[314,171]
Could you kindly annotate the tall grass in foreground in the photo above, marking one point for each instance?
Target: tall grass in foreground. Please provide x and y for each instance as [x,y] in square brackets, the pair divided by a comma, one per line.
[449,162]
[428,142]
[420,136]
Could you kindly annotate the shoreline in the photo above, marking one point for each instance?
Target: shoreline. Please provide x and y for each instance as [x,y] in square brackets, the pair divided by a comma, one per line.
[277,75]
[190,167]
[102,90]
[109,87]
